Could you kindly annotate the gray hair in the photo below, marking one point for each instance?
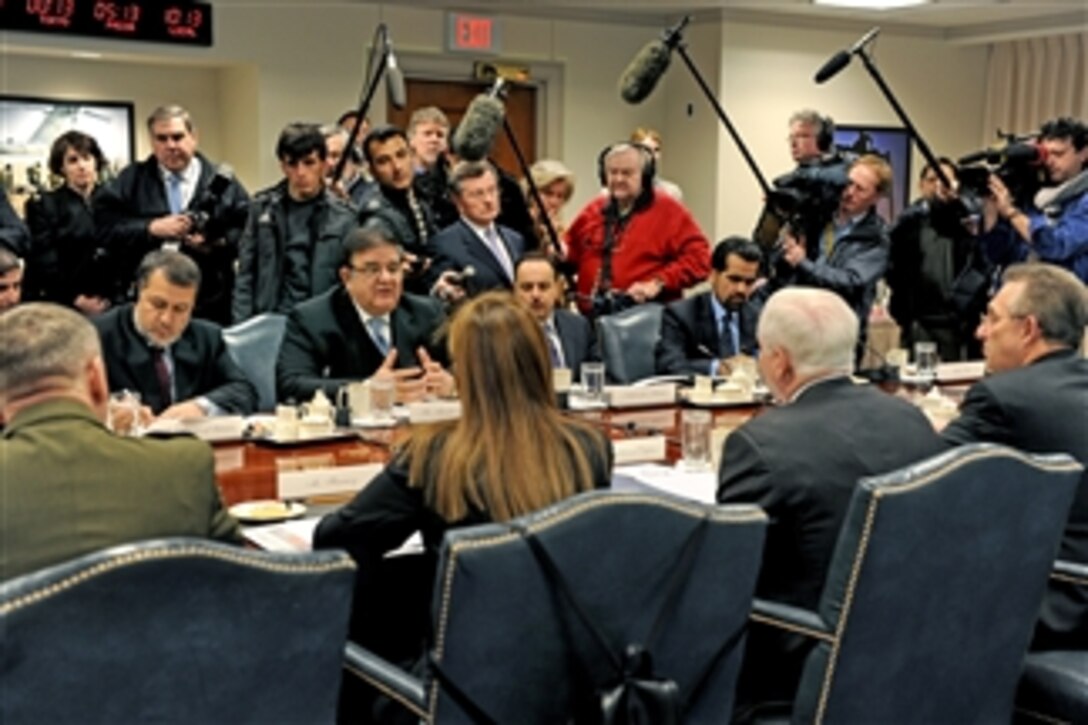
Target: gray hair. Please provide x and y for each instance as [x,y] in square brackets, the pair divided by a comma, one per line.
[169,112]
[43,340]
[9,260]
[464,170]
[815,327]
[179,269]
[1055,297]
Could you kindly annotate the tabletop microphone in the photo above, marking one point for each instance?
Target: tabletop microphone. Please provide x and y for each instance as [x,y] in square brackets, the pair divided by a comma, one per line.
[481,123]
[841,59]
[646,68]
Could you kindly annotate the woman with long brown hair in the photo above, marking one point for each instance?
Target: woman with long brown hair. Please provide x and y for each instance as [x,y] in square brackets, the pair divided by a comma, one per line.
[511,452]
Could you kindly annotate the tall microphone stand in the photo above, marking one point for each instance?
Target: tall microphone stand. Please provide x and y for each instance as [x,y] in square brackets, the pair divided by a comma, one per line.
[371,79]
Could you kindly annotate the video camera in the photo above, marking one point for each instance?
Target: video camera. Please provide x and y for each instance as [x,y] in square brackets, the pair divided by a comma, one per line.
[802,197]
[209,215]
[1018,163]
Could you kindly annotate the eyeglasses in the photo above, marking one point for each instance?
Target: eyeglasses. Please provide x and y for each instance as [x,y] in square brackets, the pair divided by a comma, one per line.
[481,193]
[373,269]
[990,318]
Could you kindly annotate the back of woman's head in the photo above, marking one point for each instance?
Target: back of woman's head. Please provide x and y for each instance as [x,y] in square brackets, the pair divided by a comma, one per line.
[500,358]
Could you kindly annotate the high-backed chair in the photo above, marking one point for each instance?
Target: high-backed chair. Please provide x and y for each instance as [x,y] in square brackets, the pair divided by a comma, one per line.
[255,344]
[627,342]
[1054,687]
[933,590]
[513,647]
[176,631]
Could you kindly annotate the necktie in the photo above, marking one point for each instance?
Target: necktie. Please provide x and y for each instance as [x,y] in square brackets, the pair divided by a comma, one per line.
[173,188]
[162,374]
[378,333]
[728,342]
[499,250]
[553,347]
[828,240]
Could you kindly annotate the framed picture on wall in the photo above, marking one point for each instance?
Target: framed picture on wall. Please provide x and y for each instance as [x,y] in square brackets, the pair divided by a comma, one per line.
[28,127]
[891,143]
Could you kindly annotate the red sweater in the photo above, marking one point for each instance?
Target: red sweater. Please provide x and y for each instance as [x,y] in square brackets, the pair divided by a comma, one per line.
[661,241]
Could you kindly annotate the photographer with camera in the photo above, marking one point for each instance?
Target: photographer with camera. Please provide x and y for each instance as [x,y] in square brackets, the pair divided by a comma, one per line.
[176,199]
[937,273]
[1054,227]
[633,244]
[852,248]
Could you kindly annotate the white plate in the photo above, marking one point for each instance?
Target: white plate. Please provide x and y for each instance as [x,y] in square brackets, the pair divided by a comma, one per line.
[266,511]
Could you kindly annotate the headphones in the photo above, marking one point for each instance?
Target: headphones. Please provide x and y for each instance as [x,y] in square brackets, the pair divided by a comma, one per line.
[649,167]
[825,137]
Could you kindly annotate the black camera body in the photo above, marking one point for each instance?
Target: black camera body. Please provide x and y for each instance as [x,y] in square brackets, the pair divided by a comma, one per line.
[207,214]
[609,303]
[803,198]
[1019,165]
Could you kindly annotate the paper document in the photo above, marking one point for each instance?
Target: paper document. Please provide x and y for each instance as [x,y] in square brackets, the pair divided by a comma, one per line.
[696,485]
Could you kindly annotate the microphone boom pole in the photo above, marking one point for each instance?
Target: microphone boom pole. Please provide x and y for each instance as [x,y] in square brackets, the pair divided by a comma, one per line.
[371,80]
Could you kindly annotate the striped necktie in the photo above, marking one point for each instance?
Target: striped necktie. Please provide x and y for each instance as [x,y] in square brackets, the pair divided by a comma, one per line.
[378,333]
[173,188]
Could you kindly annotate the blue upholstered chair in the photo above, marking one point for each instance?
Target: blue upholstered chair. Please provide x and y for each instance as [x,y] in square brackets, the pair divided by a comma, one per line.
[933,591]
[255,345]
[176,631]
[509,644]
[627,341]
[1054,687]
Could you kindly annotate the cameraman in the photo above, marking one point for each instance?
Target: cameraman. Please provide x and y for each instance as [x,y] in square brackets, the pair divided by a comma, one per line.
[1055,227]
[164,201]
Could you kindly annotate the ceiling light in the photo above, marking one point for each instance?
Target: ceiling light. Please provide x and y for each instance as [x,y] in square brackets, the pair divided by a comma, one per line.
[871,4]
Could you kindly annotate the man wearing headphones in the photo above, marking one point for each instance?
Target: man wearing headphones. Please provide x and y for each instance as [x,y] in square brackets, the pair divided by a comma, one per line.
[633,244]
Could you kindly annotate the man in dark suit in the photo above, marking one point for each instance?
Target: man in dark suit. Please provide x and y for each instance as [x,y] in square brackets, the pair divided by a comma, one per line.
[364,327]
[176,198]
[69,486]
[570,337]
[699,332]
[178,365]
[1036,399]
[801,461]
[475,240]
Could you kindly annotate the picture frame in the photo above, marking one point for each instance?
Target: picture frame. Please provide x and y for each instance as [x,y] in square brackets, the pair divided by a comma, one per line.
[29,125]
[893,144]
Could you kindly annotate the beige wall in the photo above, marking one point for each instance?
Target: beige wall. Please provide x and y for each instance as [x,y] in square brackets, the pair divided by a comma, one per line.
[275,63]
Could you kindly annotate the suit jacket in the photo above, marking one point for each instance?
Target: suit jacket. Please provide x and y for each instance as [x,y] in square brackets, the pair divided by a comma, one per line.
[202,364]
[690,336]
[325,344]
[128,203]
[71,487]
[801,461]
[577,340]
[458,246]
[1041,408]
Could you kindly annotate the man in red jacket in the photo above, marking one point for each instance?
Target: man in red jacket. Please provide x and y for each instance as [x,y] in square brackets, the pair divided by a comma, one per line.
[633,244]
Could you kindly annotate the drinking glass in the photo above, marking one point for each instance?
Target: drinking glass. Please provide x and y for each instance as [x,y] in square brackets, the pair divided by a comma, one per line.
[382,395]
[123,413]
[593,381]
[925,360]
[695,435]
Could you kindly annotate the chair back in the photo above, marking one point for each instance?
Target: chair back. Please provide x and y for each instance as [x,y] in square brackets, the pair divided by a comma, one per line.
[517,652]
[255,345]
[628,340]
[934,589]
[176,631]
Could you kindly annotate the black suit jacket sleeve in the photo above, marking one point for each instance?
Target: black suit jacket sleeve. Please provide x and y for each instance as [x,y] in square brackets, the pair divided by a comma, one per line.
[981,418]
[744,476]
[13,233]
[303,365]
[674,354]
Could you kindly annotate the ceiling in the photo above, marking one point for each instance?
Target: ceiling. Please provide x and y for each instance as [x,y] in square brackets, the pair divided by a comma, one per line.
[955,20]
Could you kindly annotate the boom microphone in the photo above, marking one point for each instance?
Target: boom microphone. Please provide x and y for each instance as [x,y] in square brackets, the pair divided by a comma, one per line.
[479,126]
[394,81]
[646,68]
[841,59]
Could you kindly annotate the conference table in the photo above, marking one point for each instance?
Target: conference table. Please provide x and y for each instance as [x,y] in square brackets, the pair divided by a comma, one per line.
[251,469]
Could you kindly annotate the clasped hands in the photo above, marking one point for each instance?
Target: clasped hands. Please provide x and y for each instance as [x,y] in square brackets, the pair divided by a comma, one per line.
[419,382]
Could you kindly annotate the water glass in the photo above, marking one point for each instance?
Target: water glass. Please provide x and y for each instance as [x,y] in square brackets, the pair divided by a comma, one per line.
[695,435]
[382,394]
[123,413]
[593,381]
[925,360]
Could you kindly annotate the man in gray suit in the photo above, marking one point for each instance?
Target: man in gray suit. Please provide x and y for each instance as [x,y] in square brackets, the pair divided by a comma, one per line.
[1036,399]
[69,486]
[570,337]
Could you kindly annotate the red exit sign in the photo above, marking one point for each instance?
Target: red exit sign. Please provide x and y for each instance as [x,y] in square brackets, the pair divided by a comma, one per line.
[472,33]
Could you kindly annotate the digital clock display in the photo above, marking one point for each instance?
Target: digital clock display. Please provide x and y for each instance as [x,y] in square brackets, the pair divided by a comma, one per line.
[156,21]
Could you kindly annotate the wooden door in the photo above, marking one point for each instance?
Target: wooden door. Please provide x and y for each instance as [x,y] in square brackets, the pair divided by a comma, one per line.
[453,98]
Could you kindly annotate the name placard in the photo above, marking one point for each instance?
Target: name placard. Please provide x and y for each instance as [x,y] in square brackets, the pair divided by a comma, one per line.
[627,396]
[434,411]
[638,450]
[321,481]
